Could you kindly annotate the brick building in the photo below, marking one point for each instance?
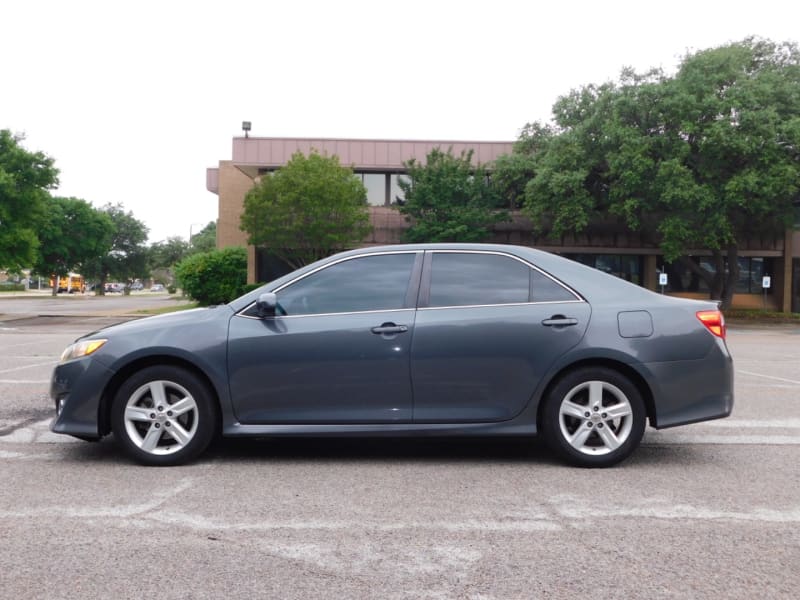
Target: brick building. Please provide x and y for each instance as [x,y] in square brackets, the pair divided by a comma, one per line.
[606,246]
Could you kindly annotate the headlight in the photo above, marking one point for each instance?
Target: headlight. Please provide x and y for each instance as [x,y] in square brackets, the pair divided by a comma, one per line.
[81,348]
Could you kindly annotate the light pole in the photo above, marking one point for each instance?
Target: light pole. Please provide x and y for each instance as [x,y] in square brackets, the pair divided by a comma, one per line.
[190,232]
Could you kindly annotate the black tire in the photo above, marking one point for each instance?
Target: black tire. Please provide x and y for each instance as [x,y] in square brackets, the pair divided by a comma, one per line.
[163,416]
[593,417]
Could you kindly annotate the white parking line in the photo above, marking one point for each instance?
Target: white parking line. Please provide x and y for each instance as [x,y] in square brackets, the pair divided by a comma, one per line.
[36,381]
[768,376]
[49,363]
[754,423]
[661,439]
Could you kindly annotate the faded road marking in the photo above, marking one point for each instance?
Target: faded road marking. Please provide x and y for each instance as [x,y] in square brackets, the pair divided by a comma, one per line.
[794,381]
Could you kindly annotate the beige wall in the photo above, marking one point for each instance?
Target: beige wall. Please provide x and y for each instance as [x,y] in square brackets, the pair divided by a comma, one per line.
[232,187]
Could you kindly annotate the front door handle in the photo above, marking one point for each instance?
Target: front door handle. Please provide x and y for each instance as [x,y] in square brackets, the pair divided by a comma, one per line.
[389,329]
[559,321]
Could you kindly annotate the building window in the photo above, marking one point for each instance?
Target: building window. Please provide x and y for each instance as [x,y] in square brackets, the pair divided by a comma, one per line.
[751,271]
[396,193]
[376,187]
[751,274]
[624,266]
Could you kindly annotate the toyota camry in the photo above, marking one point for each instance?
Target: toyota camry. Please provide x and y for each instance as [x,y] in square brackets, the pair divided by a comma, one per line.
[421,340]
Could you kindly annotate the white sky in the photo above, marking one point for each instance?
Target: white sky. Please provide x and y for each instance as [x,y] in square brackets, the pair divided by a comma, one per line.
[135,99]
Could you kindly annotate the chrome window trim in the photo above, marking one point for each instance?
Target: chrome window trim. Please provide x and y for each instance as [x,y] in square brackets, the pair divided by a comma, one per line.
[506,304]
[578,297]
[337,314]
[325,266]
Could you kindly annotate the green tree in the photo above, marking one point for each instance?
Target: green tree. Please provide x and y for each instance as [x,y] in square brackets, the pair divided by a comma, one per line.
[448,199]
[163,256]
[127,257]
[214,277]
[206,239]
[308,209]
[700,160]
[72,234]
[25,178]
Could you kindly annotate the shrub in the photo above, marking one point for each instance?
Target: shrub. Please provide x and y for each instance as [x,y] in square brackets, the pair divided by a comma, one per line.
[214,277]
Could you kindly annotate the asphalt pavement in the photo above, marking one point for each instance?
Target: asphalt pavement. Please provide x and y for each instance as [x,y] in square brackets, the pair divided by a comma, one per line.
[705,511]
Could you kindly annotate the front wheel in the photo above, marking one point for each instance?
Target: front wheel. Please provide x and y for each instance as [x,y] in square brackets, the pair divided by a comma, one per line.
[593,417]
[163,416]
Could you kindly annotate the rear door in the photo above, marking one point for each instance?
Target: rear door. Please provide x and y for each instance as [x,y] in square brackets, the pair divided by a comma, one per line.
[488,328]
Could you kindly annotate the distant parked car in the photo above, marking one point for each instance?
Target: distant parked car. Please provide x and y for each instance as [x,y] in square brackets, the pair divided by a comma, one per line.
[157,287]
[137,285]
[115,288]
[427,340]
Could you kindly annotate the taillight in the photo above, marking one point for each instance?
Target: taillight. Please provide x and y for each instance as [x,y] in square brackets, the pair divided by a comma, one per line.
[714,321]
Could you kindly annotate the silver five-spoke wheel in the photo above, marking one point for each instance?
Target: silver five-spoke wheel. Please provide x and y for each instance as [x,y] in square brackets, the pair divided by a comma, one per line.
[164,415]
[161,417]
[593,416]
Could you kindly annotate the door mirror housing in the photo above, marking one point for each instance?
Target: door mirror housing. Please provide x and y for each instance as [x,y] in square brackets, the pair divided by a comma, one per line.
[266,304]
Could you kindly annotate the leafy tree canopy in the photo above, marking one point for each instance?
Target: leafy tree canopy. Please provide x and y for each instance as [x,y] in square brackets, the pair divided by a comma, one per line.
[163,256]
[699,160]
[25,178]
[72,234]
[168,253]
[448,199]
[206,239]
[127,258]
[306,210]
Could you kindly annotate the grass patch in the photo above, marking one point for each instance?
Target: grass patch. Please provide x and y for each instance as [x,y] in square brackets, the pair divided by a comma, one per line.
[754,315]
[167,309]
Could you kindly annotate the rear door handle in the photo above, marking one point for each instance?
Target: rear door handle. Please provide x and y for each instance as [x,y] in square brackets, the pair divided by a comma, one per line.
[559,321]
[389,329]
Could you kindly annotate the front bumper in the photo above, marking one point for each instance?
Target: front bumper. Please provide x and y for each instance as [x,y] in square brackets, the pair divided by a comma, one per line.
[76,388]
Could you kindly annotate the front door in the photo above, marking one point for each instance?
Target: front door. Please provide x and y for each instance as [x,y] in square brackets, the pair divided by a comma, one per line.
[337,350]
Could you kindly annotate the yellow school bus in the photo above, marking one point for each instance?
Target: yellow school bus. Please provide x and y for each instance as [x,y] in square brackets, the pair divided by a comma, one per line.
[71,283]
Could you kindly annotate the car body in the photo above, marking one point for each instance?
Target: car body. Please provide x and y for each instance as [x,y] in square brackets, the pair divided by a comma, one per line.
[115,288]
[157,287]
[137,286]
[417,340]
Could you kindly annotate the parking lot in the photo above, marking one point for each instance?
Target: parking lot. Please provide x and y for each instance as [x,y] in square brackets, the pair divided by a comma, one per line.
[709,510]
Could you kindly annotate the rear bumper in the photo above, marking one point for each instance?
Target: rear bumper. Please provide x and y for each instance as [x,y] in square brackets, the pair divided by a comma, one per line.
[694,390]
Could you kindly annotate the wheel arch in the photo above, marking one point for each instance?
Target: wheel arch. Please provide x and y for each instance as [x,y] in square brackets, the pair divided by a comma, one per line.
[110,391]
[622,368]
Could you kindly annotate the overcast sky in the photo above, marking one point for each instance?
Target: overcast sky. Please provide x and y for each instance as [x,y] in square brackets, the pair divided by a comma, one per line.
[135,99]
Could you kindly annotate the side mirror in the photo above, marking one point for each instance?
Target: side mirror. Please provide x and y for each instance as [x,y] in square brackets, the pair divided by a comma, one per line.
[266,304]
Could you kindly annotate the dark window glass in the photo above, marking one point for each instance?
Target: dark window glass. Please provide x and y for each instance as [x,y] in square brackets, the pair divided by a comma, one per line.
[368,283]
[544,289]
[683,279]
[624,266]
[476,279]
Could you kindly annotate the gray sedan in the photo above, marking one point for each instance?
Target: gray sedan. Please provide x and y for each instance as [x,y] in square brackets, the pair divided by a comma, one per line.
[422,340]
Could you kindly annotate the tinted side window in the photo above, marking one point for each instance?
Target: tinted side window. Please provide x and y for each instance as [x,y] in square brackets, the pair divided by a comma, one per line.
[368,283]
[476,279]
[544,289]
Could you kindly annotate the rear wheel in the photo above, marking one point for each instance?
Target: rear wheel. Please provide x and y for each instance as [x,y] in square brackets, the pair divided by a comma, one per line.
[593,417]
[163,416]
